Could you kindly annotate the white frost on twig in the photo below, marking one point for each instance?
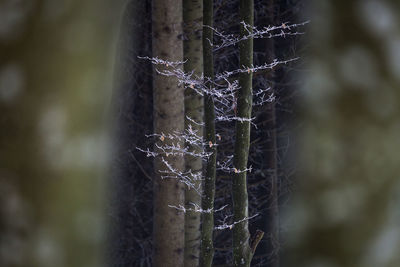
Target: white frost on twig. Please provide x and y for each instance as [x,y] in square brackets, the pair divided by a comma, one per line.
[226,74]
[196,208]
[225,166]
[194,122]
[158,61]
[283,30]
[224,225]
[188,177]
[261,98]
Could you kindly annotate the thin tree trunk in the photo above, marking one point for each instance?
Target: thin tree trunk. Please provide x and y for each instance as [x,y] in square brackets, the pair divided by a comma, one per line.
[168,112]
[194,105]
[242,252]
[207,247]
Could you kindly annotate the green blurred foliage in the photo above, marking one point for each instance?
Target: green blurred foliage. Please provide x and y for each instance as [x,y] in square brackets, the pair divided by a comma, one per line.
[56,63]
[345,213]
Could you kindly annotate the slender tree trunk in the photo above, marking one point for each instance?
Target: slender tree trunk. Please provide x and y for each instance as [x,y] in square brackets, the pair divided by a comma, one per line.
[242,252]
[207,247]
[194,105]
[168,117]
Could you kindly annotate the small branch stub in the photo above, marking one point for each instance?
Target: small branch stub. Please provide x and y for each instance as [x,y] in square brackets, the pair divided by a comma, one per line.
[255,240]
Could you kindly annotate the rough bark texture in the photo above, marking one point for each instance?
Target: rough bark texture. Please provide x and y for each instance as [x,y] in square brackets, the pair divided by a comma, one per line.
[207,247]
[242,252]
[168,117]
[194,104]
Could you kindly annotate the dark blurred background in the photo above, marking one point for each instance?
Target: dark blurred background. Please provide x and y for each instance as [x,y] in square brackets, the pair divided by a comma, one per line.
[345,211]
[56,71]
[56,80]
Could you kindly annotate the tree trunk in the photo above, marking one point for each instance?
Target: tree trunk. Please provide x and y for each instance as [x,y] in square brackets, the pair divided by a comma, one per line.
[242,253]
[193,53]
[131,191]
[168,117]
[207,247]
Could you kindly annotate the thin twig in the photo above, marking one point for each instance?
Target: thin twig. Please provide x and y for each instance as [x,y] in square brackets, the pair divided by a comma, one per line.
[140,166]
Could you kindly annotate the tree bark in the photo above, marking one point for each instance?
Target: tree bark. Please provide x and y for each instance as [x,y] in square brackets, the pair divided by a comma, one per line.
[242,252]
[168,113]
[207,247]
[194,105]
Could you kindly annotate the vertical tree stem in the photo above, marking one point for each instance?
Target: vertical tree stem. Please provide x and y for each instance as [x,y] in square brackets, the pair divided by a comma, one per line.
[194,106]
[242,252]
[168,117]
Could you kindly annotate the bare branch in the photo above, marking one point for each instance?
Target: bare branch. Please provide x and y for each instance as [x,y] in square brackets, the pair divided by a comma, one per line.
[224,225]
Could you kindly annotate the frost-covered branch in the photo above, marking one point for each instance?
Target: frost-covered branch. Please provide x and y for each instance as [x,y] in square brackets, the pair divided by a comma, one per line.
[260,97]
[187,177]
[167,63]
[225,225]
[226,166]
[194,122]
[196,208]
[173,147]
[227,74]
[283,30]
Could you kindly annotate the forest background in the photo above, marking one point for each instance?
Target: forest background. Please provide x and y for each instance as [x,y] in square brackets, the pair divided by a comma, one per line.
[56,81]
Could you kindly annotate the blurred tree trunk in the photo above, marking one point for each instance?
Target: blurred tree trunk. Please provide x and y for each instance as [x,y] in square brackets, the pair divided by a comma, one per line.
[131,191]
[242,253]
[193,53]
[207,247]
[53,96]
[168,117]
